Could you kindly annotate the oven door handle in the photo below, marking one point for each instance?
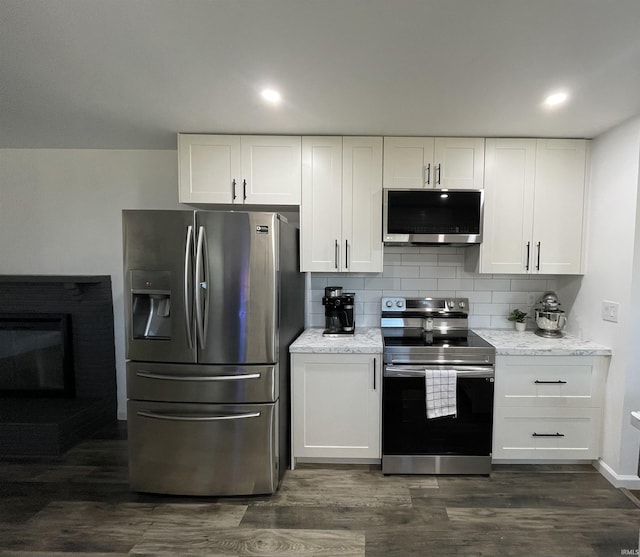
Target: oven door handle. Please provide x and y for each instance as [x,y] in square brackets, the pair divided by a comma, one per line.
[418,370]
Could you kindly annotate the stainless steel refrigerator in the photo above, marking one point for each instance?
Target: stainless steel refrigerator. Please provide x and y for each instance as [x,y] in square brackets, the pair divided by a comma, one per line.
[213,300]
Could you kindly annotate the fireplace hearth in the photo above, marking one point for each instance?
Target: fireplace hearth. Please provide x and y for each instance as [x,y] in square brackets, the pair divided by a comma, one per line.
[57,362]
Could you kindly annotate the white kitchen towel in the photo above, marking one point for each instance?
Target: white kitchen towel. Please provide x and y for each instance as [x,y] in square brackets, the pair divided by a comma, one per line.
[441,392]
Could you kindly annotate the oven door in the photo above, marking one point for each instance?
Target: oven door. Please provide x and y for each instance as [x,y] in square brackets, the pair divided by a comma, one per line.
[411,443]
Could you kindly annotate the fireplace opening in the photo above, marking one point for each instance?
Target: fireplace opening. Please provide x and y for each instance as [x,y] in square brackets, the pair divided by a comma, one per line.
[36,358]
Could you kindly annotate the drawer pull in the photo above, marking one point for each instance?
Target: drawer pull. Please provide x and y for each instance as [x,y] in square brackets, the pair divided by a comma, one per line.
[151,375]
[547,434]
[560,382]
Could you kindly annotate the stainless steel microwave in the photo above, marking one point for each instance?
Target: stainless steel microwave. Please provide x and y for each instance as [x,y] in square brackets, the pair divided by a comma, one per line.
[432,216]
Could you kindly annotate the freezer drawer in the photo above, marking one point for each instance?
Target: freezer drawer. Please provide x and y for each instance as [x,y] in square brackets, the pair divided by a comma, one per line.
[203,449]
[202,383]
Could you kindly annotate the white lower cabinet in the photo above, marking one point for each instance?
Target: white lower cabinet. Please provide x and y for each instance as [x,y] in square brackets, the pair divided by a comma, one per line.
[336,407]
[548,407]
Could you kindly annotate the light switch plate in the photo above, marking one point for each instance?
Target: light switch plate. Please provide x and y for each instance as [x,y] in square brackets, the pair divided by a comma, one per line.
[610,311]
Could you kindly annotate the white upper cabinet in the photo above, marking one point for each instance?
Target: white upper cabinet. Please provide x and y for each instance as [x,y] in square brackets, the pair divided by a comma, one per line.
[428,162]
[341,207]
[237,169]
[534,206]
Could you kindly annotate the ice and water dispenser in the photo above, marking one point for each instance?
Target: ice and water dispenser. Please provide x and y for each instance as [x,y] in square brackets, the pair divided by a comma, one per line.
[151,304]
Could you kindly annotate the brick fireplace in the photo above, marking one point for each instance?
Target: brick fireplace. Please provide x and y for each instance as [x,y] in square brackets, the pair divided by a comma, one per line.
[57,362]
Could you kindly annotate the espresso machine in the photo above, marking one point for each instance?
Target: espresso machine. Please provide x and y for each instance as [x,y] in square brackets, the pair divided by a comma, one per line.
[338,311]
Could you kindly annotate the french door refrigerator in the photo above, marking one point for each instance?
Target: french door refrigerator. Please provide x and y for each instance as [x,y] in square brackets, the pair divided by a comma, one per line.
[213,299]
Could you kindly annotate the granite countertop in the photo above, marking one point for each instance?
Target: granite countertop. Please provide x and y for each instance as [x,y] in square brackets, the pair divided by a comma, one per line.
[365,340]
[509,342]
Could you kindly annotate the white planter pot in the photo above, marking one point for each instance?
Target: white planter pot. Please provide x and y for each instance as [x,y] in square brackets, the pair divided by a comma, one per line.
[520,327]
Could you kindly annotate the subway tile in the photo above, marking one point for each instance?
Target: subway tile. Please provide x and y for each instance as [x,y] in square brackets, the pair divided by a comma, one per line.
[491,284]
[419,258]
[371,308]
[451,259]
[455,284]
[490,309]
[394,249]
[482,297]
[437,272]
[419,284]
[400,271]
[530,285]
[500,322]
[501,297]
[368,295]
[318,282]
[400,293]
[392,258]
[381,283]
[480,321]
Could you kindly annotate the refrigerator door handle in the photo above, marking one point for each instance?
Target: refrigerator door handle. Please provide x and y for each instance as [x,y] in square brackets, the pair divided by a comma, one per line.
[210,418]
[188,287]
[150,375]
[202,305]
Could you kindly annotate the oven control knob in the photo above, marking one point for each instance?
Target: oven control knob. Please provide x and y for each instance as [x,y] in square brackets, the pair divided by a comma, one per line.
[461,305]
[399,303]
[451,304]
[389,303]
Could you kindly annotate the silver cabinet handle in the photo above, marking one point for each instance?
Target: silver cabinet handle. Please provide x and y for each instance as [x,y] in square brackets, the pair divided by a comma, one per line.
[244,190]
[559,382]
[428,173]
[528,254]
[336,254]
[212,418]
[150,375]
[538,264]
[547,434]
[438,178]
[233,189]
[346,254]
[374,374]
[188,286]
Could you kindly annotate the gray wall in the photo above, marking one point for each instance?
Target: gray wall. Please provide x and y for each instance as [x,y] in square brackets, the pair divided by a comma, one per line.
[60,213]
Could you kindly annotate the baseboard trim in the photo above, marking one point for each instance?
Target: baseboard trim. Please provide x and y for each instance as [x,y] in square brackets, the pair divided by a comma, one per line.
[617,480]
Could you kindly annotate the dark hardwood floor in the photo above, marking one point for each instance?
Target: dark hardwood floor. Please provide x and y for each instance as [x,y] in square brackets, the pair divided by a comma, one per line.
[80,504]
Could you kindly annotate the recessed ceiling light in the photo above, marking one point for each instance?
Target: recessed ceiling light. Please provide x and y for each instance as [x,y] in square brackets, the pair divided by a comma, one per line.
[271,96]
[556,99]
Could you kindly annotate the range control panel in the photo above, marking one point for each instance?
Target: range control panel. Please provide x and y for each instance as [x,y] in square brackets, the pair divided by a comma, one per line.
[426,305]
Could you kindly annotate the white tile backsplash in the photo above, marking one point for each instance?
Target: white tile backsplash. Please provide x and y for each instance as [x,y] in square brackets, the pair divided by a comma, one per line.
[430,271]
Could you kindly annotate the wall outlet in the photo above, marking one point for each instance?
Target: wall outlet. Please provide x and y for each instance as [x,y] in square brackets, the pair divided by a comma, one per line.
[610,311]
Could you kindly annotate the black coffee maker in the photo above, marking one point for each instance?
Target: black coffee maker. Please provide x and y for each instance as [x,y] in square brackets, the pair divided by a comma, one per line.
[338,311]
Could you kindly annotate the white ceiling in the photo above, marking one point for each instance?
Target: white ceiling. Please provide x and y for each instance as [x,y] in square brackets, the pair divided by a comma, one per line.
[132,73]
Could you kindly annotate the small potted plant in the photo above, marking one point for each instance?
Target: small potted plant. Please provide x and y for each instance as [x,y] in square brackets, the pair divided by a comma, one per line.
[518,317]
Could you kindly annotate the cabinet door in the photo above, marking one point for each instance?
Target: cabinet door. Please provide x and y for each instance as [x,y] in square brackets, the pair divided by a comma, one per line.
[459,163]
[362,204]
[336,406]
[559,205]
[321,204]
[271,168]
[508,202]
[408,162]
[209,168]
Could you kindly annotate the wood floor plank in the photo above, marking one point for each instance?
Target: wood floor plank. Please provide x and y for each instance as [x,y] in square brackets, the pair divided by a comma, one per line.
[245,542]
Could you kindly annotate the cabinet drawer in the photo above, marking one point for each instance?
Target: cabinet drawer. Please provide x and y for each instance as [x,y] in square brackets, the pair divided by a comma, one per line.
[547,381]
[546,433]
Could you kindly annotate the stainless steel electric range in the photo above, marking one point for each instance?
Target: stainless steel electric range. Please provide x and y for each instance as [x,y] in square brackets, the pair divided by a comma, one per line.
[423,337]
